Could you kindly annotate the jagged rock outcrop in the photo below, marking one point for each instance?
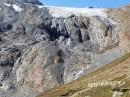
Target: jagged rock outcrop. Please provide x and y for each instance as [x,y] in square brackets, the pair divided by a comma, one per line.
[21,2]
[40,49]
[122,16]
[111,80]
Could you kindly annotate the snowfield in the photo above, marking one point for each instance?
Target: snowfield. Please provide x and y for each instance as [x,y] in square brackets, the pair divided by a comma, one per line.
[65,12]
[68,11]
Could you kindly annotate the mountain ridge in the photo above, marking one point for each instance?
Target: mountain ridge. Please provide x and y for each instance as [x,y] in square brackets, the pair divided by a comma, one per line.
[37,2]
[43,47]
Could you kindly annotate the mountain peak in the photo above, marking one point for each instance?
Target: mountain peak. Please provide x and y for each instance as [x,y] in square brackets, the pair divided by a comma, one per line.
[37,2]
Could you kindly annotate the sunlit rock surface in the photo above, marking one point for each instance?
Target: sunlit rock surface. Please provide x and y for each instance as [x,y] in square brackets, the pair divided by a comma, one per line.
[44,46]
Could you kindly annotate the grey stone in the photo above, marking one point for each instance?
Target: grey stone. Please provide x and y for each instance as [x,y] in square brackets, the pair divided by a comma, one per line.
[39,51]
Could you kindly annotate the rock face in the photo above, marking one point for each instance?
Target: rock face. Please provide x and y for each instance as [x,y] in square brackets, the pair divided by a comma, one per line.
[21,1]
[40,49]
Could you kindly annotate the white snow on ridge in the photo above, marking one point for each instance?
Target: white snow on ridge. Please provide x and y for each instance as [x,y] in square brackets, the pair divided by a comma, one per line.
[17,8]
[65,12]
[7,4]
[68,11]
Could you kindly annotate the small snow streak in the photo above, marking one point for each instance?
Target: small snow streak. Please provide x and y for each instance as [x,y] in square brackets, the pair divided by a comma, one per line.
[17,8]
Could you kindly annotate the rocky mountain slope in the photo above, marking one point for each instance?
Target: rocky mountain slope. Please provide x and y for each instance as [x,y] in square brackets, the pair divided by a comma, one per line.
[112,80]
[43,46]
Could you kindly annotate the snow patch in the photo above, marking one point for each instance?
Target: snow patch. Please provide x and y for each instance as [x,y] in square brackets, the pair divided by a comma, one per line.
[7,4]
[68,11]
[40,6]
[65,12]
[17,8]
[78,74]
